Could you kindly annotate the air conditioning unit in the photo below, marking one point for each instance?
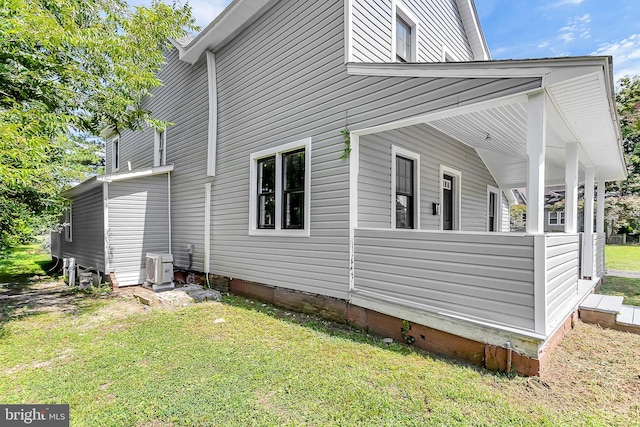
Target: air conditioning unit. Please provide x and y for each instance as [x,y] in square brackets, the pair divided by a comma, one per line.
[159,271]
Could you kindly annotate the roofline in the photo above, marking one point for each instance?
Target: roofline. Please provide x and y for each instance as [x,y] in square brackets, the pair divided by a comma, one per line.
[469,7]
[233,19]
[97,181]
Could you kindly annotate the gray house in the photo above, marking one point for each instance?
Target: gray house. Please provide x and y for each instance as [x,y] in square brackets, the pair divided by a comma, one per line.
[355,154]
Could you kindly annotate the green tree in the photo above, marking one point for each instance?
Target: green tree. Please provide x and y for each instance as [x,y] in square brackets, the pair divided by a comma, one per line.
[628,102]
[69,67]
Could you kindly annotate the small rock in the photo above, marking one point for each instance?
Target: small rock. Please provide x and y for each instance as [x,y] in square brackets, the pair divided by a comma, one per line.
[387,340]
[218,321]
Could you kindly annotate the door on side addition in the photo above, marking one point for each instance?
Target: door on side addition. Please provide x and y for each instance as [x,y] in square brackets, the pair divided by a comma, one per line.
[447,202]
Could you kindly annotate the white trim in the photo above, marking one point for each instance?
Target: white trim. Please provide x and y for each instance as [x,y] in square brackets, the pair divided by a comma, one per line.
[159,141]
[498,218]
[473,30]
[399,9]
[540,283]
[212,133]
[130,175]
[600,195]
[457,196]
[348,31]
[68,229]
[354,171]
[169,207]
[105,210]
[207,227]
[446,53]
[399,151]
[115,153]
[253,197]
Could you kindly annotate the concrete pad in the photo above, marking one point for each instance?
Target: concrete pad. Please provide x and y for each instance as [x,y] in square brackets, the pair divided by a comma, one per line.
[591,302]
[626,315]
[610,304]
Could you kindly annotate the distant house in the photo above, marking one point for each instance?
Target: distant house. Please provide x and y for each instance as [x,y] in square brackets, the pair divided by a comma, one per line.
[554,212]
[404,216]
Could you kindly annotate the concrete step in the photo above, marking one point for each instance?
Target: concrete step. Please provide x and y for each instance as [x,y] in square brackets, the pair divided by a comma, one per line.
[609,312]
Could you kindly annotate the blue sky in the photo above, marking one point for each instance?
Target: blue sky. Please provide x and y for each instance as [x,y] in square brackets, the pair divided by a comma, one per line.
[517,29]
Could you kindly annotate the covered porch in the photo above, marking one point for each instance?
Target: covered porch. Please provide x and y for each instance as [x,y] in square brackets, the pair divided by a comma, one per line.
[429,218]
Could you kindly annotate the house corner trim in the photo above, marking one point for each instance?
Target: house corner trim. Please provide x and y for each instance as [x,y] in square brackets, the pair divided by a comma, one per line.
[213,114]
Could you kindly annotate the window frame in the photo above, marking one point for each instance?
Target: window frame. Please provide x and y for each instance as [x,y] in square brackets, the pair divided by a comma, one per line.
[415,157]
[278,152]
[115,153]
[160,147]
[498,214]
[399,10]
[68,222]
[457,197]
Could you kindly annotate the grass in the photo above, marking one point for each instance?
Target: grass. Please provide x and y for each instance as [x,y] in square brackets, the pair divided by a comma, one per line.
[627,287]
[117,363]
[625,258]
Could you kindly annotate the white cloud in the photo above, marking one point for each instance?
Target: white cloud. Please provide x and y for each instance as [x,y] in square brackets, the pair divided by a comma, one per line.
[561,3]
[626,55]
[576,27]
[544,45]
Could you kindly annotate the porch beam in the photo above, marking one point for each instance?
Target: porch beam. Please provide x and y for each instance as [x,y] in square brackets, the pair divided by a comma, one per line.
[571,189]
[600,205]
[587,265]
[536,148]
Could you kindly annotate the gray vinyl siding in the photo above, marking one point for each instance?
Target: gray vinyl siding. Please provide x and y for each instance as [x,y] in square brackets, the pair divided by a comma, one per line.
[562,276]
[182,100]
[282,80]
[87,245]
[599,242]
[483,277]
[138,212]
[435,149]
[440,25]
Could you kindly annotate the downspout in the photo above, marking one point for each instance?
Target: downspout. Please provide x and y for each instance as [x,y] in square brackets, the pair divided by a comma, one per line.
[105,229]
[169,206]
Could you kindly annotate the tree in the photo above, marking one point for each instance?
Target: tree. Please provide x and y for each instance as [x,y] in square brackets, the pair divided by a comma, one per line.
[628,102]
[69,67]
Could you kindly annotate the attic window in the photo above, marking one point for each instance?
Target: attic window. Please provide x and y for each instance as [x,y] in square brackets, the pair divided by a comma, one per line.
[403,40]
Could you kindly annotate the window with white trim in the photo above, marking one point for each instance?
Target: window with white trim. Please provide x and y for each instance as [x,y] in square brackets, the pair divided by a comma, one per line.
[556,217]
[404,29]
[68,224]
[493,209]
[280,190]
[405,178]
[160,148]
[115,154]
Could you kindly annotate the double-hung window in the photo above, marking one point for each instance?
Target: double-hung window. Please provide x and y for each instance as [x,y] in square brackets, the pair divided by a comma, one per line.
[403,40]
[280,190]
[556,217]
[115,154]
[68,224]
[404,29]
[406,189]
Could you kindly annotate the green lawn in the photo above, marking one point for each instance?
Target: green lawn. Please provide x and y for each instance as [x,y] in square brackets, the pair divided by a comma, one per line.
[118,364]
[625,258]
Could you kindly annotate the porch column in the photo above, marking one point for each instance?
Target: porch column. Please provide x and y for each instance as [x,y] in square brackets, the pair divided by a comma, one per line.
[600,206]
[536,147]
[571,189]
[587,265]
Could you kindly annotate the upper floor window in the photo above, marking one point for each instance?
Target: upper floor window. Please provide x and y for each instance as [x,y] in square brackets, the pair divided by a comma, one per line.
[280,190]
[556,217]
[405,34]
[160,148]
[115,154]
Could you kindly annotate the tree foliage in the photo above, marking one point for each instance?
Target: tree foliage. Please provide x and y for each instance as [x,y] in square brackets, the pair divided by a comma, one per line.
[69,67]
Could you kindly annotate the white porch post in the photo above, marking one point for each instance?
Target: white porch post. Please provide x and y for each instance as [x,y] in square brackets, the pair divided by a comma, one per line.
[600,206]
[536,147]
[571,189]
[587,265]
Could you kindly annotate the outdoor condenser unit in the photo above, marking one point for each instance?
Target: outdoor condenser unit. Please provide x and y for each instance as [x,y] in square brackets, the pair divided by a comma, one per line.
[159,271]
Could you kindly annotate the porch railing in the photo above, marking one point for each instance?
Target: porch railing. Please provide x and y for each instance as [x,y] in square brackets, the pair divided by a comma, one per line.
[516,280]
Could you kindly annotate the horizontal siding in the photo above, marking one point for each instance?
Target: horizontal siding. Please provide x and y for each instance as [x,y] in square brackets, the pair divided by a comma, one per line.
[138,212]
[562,276]
[435,149]
[87,245]
[440,25]
[284,79]
[487,277]
[599,242]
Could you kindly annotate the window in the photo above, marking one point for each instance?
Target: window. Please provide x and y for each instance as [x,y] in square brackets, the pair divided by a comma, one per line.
[404,29]
[556,217]
[405,172]
[493,209]
[68,230]
[115,154]
[160,148]
[280,190]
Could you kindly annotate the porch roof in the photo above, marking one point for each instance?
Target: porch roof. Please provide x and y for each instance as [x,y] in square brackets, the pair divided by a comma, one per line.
[98,180]
[581,109]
